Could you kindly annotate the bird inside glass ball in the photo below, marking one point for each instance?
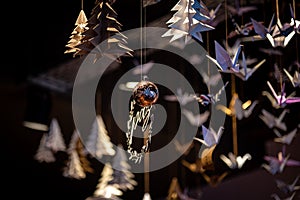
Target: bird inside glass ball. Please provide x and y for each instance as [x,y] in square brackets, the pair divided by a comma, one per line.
[145,93]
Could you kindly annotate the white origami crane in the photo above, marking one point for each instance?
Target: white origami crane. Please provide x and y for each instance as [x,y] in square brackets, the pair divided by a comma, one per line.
[223,60]
[285,139]
[238,108]
[274,122]
[211,80]
[196,120]
[295,80]
[235,162]
[278,35]
[210,137]
[245,72]
[142,68]
[182,97]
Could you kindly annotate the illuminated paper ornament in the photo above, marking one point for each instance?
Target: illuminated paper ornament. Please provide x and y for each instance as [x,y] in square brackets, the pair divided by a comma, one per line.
[104,29]
[77,34]
[183,23]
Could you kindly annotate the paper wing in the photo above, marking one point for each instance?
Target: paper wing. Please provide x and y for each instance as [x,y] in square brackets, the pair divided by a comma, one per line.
[227,161]
[222,57]
[208,137]
[290,77]
[292,100]
[259,28]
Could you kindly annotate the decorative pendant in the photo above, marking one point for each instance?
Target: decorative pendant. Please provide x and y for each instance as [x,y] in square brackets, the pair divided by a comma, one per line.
[145,94]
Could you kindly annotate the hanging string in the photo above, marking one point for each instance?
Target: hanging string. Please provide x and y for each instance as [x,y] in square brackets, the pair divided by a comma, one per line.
[296,43]
[226,24]
[233,90]
[141,38]
[277,10]
[294,8]
[278,57]
[208,66]
[145,32]
[81,4]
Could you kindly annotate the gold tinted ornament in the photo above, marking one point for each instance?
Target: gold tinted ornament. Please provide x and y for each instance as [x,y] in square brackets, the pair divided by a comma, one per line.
[145,93]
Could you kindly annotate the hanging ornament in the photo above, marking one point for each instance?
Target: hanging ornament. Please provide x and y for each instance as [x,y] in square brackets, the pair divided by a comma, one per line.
[77,34]
[145,93]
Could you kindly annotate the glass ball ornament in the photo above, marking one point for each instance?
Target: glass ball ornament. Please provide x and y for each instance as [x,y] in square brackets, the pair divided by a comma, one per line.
[145,93]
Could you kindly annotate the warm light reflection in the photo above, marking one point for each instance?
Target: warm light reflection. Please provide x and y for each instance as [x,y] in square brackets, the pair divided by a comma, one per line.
[35,126]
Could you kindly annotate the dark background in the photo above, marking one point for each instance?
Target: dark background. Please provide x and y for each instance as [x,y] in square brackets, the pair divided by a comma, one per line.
[35,35]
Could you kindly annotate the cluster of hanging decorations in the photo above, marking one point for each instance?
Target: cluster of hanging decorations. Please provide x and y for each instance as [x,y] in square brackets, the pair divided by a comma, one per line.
[190,20]
[102,27]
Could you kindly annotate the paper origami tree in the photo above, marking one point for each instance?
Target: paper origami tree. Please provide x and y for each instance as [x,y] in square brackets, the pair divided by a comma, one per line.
[122,177]
[77,34]
[55,140]
[76,167]
[44,154]
[103,27]
[98,143]
[103,188]
[184,23]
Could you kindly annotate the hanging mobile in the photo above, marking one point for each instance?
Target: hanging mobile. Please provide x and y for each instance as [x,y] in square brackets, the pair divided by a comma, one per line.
[145,94]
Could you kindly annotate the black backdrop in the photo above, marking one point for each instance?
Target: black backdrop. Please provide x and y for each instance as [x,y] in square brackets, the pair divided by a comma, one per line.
[34,42]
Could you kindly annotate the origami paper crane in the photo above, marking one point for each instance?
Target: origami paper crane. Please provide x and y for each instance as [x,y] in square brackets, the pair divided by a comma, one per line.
[278,34]
[182,97]
[210,136]
[223,60]
[237,108]
[204,14]
[211,80]
[278,164]
[196,119]
[241,30]
[295,79]
[276,197]
[285,139]
[274,122]
[235,162]
[240,10]
[286,187]
[206,99]
[142,68]
[280,100]
[245,72]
